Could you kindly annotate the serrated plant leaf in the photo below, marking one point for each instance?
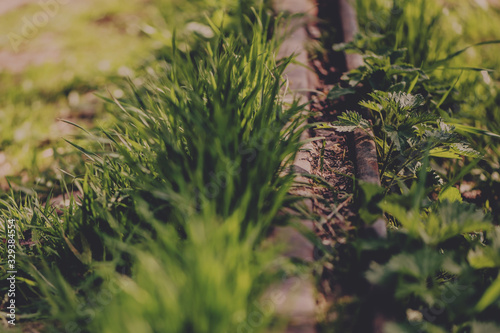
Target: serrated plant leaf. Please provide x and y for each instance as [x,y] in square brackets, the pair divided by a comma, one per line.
[337,92]
[406,101]
[371,105]
[349,121]
[445,221]
[410,272]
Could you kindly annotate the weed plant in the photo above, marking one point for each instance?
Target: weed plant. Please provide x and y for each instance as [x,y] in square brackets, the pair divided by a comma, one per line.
[455,68]
[438,269]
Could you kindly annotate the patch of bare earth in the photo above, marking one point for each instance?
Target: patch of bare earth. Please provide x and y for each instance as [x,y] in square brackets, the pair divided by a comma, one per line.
[335,169]
[332,161]
[333,166]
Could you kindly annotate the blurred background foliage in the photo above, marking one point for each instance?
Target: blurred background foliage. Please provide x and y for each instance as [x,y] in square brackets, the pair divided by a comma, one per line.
[83,48]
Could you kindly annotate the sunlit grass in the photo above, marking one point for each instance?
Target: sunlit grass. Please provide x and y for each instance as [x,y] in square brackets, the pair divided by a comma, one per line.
[179,192]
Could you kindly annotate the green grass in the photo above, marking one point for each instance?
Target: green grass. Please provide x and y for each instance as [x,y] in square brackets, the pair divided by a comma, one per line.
[177,197]
[86,47]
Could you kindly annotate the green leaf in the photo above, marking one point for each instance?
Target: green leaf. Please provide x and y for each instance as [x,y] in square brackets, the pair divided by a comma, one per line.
[444,221]
[451,194]
[473,130]
[396,69]
[400,86]
[455,150]
[486,256]
[406,101]
[410,274]
[451,219]
[443,152]
[491,295]
[465,150]
[349,121]
[488,327]
[453,55]
[413,83]
[337,92]
[443,98]
[371,105]
[480,259]
[369,196]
